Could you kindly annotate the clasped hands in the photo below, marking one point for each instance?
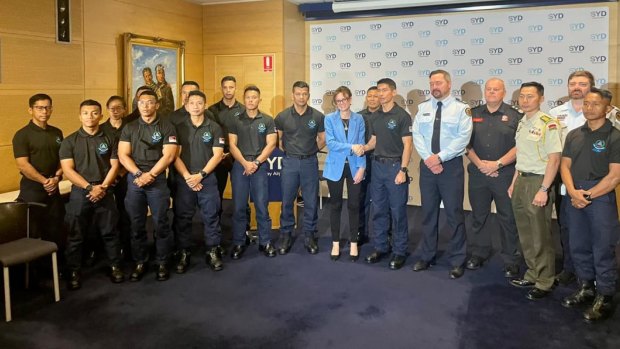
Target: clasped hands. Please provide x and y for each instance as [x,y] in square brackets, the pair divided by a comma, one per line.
[357,149]
[434,164]
[489,168]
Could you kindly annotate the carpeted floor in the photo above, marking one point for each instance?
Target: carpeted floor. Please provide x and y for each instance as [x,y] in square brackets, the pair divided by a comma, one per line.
[301,301]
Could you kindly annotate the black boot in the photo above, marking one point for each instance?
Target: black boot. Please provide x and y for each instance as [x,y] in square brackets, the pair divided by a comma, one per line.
[602,308]
[183,264]
[74,282]
[584,295]
[214,258]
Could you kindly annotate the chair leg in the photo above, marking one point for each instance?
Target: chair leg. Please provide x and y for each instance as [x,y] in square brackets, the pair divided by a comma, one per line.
[7,295]
[55,271]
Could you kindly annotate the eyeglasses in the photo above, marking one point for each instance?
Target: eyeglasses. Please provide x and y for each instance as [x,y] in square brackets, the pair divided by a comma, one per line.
[147,103]
[42,108]
[117,108]
[339,101]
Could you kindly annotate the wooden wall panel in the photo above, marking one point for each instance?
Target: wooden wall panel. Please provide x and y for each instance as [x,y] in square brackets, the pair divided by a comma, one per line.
[10,174]
[37,18]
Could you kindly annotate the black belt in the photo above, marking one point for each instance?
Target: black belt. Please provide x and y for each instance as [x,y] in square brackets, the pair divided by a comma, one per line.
[529,174]
[300,157]
[386,160]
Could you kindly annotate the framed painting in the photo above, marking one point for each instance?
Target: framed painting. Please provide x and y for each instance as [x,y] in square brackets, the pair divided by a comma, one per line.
[157,63]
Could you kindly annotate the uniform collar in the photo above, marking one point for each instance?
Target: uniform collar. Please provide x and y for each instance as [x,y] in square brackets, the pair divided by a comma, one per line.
[205,122]
[155,121]
[83,133]
[308,111]
[607,126]
[245,115]
[36,127]
[444,102]
[224,106]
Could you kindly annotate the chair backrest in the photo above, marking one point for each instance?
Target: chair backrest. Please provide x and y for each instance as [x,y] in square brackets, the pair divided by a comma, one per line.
[13,221]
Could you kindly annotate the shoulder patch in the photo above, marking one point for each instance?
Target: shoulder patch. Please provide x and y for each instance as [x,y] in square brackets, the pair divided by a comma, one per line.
[545,118]
[468,111]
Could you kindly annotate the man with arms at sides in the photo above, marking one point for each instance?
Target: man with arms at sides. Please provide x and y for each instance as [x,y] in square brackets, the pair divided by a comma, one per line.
[35,148]
[392,144]
[492,153]
[135,114]
[201,142]
[252,137]
[372,105]
[114,125]
[146,148]
[224,111]
[301,132]
[570,116]
[89,160]
[590,170]
[441,131]
[539,145]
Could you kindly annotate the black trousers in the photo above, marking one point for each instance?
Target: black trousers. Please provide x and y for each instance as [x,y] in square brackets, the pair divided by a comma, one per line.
[50,225]
[353,204]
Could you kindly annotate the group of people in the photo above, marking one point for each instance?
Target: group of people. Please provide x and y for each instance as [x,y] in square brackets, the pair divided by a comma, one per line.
[519,157]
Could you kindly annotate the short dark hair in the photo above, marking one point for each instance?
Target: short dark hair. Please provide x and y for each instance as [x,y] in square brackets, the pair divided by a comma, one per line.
[90,102]
[372,88]
[388,82]
[539,87]
[197,93]
[228,78]
[149,92]
[143,88]
[582,73]
[300,84]
[251,88]
[115,98]
[190,83]
[39,97]
[605,94]
[445,74]
[147,69]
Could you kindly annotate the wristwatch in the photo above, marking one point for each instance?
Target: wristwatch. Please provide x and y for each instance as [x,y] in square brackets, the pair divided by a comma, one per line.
[499,164]
[89,187]
[137,174]
[203,174]
[257,162]
[404,169]
[543,188]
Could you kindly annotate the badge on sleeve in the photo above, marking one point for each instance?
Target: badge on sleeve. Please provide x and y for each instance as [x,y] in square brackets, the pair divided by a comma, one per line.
[172,139]
[504,118]
[468,111]
[221,140]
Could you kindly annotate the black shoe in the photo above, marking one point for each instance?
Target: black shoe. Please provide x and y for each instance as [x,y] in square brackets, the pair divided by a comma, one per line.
[474,263]
[284,245]
[421,265]
[311,246]
[138,272]
[237,252]
[334,257]
[536,294]
[183,263]
[511,271]
[584,295]
[397,262]
[565,278]
[375,257]
[162,273]
[602,308]
[214,259]
[268,250]
[522,283]
[251,237]
[354,258]
[457,272]
[74,282]
[116,274]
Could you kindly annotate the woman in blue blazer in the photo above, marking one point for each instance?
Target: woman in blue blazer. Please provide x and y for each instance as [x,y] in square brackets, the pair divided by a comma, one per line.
[344,134]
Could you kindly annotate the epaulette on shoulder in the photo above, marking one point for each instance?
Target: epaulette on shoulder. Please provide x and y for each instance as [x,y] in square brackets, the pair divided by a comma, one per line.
[546,118]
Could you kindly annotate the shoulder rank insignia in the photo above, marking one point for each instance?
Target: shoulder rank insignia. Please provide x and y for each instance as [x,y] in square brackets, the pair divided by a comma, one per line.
[468,111]
[545,118]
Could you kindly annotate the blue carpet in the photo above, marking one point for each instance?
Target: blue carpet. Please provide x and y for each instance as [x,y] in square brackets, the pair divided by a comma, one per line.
[302,301]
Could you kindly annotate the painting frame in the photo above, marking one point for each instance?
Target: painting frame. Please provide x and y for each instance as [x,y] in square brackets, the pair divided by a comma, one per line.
[142,52]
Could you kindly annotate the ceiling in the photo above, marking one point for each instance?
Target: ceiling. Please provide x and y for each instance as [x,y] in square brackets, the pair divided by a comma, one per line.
[213,2]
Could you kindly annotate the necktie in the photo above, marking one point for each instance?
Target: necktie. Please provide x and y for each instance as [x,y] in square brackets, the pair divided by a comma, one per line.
[436,130]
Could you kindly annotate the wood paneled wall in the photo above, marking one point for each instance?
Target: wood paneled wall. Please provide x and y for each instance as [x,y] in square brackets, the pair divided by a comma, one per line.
[89,67]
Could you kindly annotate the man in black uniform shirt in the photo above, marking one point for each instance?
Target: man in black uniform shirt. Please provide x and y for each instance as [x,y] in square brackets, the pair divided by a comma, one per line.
[392,143]
[223,112]
[35,148]
[201,142]
[181,114]
[301,131]
[147,147]
[492,154]
[89,160]
[252,138]
[590,170]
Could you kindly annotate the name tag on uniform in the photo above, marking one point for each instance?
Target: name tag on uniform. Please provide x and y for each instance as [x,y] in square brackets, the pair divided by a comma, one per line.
[426,114]
[477,119]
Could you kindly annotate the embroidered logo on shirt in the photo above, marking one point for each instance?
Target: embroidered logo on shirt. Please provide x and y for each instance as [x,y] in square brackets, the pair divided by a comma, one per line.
[156,137]
[58,140]
[391,124]
[262,128]
[207,137]
[504,118]
[598,146]
[103,149]
[312,124]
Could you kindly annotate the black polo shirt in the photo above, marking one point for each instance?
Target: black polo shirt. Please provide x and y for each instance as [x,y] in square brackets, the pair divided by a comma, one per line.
[299,132]
[368,117]
[252,132]
[389,129]
[116,132]
[40,146]
[135,115]
[197,143]
[148,140]
[223,115]
[90,153]
[591,152]
[493,134]
[178,116]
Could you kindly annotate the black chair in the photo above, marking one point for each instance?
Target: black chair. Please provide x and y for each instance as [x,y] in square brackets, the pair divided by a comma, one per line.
[16,246]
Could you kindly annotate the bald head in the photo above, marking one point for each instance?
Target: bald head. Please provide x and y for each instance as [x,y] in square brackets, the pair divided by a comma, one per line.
[494,91]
